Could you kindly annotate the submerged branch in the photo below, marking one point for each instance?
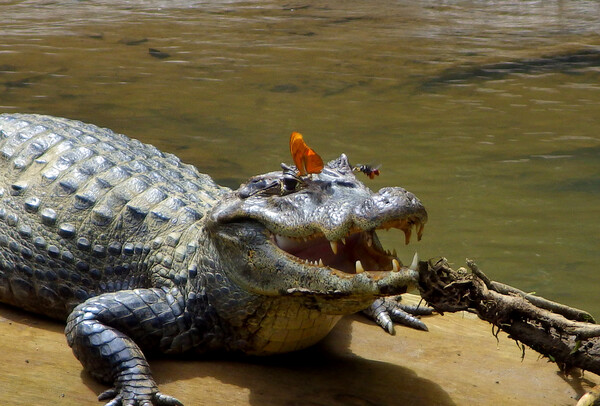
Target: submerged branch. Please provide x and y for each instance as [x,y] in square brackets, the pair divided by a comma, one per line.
[565,335]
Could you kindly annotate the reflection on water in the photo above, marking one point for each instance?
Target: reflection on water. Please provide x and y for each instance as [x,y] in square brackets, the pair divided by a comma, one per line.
[489,111]
[574,62]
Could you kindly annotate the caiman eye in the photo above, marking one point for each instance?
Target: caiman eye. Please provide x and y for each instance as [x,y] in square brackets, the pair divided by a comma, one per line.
[258,185]
[290,184]
[280,186]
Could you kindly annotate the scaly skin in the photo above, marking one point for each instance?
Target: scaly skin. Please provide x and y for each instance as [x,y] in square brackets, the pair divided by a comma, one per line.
[138,251]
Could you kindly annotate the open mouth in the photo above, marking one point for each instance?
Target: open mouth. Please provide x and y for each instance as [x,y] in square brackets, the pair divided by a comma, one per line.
[360,251]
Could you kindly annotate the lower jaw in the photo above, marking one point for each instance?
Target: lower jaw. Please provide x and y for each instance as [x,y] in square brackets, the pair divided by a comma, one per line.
[355,254]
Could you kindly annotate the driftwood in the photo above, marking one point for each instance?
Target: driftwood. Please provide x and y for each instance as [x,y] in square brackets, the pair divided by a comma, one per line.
[565,335]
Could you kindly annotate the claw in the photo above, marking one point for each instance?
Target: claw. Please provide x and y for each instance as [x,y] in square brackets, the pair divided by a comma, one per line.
[166,400]
[385,312]
[378,312]
[108,394]
[416,310]
[402,317]
[117,400]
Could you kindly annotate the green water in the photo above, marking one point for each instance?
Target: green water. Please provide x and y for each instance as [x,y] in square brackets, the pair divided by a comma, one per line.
[488,111]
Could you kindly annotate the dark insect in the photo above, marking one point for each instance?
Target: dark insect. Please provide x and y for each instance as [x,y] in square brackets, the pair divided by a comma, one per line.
[368,170]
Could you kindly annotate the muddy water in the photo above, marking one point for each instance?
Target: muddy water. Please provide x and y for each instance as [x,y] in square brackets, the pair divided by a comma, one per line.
[488,111]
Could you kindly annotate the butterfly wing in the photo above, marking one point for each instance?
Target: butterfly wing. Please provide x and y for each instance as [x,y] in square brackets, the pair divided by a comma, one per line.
[312,161]
[305,158]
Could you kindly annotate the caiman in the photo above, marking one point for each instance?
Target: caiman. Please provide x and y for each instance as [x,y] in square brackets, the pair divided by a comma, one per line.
[138,251]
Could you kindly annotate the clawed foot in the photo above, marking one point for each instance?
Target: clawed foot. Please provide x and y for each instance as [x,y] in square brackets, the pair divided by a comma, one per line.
[129,398]
[386,311]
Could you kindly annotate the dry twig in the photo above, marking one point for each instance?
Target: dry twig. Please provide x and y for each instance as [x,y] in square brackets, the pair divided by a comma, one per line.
[565,335]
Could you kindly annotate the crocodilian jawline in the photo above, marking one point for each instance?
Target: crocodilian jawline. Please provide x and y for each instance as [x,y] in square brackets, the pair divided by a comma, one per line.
[358,252]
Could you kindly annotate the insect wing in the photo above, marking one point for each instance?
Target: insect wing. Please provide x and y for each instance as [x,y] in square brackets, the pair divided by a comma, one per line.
[305,158]
[312,161]
[373,171]
[369,170]
[297,149]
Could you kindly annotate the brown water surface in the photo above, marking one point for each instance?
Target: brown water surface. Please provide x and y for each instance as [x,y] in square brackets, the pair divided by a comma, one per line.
[488,111]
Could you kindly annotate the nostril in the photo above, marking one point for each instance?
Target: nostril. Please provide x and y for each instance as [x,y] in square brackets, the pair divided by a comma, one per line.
[345,183]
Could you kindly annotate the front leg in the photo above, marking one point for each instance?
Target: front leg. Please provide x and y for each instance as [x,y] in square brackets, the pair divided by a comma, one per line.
[385,311]
[108,332]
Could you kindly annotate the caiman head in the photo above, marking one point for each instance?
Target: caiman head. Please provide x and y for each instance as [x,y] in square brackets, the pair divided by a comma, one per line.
[315,237]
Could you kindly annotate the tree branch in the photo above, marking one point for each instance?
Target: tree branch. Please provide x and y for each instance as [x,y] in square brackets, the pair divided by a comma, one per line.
[566,335]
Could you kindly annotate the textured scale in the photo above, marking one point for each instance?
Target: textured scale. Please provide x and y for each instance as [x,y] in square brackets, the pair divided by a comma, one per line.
[66,192]
[138,251]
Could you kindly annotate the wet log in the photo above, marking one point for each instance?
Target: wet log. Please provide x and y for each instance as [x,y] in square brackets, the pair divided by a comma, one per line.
[565,335]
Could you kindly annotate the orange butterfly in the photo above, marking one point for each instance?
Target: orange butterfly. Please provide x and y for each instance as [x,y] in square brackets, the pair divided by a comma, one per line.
[306,159]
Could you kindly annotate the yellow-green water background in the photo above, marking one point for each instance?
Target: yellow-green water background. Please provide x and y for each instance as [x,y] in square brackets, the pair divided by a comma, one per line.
[489,111]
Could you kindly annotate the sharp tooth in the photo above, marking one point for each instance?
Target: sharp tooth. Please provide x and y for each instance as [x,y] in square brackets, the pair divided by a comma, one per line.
[407,233]
[369,240]
[344,241]
[334,246]
[321,262]
[395,265]
[415,262]
[420,228]
[359,267]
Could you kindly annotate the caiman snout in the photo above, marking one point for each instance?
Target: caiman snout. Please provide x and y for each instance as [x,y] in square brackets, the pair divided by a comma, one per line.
[333,204]
[392,207]
[327,219]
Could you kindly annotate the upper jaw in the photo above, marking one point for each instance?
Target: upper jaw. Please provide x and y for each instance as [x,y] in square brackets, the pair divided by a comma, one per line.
[334,213]
[357,252]
[316,240]
[347,243]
